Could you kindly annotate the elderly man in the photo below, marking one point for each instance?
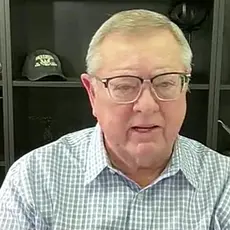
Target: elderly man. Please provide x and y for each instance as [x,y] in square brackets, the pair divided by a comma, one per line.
[133,171]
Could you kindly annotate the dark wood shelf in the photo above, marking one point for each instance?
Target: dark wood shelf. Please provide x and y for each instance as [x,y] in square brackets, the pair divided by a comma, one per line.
[225,87]
[59,84]
[199,86]
[2,163]
[75,83]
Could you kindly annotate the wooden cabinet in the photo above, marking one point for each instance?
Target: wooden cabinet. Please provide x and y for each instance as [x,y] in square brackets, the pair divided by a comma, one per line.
[35,113]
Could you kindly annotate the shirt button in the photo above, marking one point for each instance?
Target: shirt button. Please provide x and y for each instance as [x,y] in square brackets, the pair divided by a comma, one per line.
[140,196]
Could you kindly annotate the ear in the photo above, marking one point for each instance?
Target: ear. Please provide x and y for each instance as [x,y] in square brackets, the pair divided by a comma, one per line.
[87,83]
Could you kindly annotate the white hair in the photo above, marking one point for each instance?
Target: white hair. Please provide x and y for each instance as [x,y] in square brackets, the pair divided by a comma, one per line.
[134,21]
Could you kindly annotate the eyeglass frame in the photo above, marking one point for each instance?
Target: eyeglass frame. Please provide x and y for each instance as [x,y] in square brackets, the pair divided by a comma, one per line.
[185,77]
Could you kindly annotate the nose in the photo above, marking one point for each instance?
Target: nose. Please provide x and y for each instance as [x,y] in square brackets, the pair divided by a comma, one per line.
[147,102]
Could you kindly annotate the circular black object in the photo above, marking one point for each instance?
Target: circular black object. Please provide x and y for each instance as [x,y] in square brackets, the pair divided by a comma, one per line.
[188,15]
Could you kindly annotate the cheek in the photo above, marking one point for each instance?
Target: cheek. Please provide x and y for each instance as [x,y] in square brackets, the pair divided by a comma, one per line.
[112,117]
[114,123]
[174,114]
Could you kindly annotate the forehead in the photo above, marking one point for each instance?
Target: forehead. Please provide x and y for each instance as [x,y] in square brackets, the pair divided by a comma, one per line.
[148,52]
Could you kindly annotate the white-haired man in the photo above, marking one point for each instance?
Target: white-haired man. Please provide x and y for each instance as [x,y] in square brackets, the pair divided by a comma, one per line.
[132,170]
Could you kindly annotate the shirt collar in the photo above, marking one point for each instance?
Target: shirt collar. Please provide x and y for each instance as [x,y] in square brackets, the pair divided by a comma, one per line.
[97,158]
[183,159]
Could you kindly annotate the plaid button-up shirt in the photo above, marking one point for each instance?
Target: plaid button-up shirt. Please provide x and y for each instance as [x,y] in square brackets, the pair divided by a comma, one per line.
[70,184]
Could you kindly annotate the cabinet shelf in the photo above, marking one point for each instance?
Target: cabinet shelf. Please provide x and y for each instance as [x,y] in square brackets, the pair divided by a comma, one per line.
[60,84]
[225,87]
[76,83]
[2,163]
[199,86]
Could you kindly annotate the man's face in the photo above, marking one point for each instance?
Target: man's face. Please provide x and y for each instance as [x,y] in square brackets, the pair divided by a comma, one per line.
[146,129]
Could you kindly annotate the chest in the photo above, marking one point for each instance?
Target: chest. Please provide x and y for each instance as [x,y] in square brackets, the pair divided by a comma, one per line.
[118,206]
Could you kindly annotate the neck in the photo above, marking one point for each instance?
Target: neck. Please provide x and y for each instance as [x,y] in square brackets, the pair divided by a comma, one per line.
[142,175]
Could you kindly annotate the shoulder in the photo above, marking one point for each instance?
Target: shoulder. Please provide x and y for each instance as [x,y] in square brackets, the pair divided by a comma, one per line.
[205,157]
[206,166]
[212,172]
[69,150]
[34,182]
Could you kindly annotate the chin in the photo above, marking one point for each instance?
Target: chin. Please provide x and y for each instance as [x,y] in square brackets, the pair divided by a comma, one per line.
[147,148]
[147,154]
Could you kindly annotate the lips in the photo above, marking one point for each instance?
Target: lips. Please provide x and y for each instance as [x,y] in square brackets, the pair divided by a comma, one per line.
[144,128]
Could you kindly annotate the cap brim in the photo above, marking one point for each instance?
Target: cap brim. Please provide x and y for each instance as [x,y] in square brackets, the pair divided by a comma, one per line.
[46,76]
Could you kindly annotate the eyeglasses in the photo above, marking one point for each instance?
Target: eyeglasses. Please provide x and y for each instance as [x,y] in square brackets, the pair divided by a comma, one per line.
[127,89]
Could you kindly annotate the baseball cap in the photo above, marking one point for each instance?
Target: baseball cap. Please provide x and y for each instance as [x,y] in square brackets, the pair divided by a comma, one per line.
[42,64]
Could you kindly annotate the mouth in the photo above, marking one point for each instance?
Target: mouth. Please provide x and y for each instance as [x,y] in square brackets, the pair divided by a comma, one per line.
[145,129]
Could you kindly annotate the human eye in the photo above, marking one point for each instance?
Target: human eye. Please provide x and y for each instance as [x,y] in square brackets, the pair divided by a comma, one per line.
[166,81]
[124,85]
[166,84]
